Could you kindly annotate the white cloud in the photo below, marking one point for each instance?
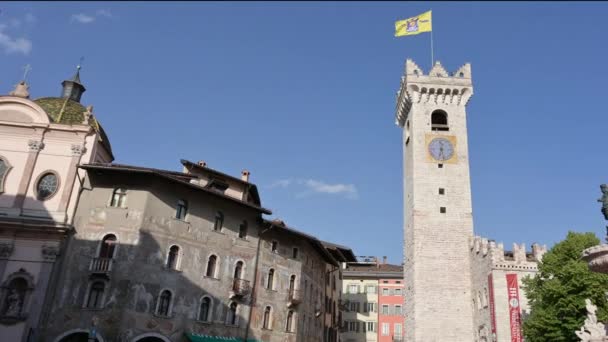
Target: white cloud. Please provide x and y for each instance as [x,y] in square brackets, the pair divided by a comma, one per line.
[104,13]
[11,44]
[317,187]
[348,190]
[281,183]
[82,18]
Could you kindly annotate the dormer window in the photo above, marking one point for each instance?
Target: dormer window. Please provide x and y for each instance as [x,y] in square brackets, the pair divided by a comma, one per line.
[439,121]
[217,185]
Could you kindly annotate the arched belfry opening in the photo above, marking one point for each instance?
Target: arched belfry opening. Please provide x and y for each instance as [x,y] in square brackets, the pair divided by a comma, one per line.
[439,121]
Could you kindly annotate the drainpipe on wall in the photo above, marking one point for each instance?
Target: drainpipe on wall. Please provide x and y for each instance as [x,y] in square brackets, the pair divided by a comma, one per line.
[255,280]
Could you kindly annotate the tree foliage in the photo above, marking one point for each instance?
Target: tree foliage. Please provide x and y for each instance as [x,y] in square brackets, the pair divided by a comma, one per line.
[558,291]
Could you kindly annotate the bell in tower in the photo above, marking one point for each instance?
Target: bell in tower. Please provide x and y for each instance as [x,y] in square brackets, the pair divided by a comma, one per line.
[73,89]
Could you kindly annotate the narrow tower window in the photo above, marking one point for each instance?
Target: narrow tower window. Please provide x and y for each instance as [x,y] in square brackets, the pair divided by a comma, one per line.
[442,210]
[441,191]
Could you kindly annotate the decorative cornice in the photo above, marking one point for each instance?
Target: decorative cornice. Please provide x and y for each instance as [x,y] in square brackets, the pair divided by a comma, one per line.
[50,253]
[35,145]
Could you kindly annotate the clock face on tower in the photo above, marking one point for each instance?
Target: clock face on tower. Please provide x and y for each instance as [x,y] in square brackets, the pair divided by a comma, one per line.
[441,149]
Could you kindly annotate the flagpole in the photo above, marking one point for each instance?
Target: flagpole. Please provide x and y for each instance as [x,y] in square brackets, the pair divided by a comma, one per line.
[432,52]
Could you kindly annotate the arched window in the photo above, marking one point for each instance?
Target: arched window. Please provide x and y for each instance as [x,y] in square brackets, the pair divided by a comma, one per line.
[47,185]
[238,270]
[439,121]
[266,324]
[181,210]
[108,246]
[205,312]
[211,266]
[292,283]
[270,281]
[289,325]
[4,168]
[219,221]
[95,297]
[231,316]
[173,257]
[14,299]
[243,230]
[119,197]
[164,303]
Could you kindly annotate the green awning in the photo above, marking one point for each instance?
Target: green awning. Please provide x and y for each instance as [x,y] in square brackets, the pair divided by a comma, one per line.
[209,338]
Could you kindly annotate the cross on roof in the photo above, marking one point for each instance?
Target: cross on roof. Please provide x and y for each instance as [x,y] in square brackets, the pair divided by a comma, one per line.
[26,69]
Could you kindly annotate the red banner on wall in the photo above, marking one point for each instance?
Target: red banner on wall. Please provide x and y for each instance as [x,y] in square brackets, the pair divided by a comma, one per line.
[492,310]
[514,312]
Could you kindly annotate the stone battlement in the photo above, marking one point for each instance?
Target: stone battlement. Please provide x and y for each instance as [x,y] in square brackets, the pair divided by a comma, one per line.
[517,258]
[437,87]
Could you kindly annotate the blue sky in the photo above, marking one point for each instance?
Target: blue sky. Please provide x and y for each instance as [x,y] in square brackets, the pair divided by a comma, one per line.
[303,96]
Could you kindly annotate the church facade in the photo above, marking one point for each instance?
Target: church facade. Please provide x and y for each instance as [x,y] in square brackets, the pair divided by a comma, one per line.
[41,143]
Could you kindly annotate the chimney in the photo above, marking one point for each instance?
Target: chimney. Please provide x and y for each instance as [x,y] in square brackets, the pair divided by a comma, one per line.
[202,163]
[245,175]
[384,260]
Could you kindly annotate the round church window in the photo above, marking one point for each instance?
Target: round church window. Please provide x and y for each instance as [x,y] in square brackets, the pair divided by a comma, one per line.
[47,186]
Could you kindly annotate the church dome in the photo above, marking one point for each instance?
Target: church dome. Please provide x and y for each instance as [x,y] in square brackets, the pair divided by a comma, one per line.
[73,114]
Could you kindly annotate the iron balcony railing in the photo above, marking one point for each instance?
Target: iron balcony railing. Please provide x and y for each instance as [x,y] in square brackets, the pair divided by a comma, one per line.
[101,265]
[294,297]
[241,287]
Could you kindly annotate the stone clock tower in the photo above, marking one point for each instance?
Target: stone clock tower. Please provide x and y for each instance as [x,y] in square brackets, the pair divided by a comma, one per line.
[431,109]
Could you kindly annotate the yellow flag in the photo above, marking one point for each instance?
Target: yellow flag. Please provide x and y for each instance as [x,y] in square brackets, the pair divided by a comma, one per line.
[414,25]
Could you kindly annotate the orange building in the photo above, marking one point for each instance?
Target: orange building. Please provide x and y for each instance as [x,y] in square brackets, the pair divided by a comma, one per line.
[372,301]
[390,306]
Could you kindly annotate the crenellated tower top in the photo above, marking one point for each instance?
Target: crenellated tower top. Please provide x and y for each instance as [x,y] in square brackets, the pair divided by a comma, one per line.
[438,86]
[516,259]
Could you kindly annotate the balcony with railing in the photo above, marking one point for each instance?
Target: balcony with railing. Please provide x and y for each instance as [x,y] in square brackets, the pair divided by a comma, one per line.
[397,338]
[101,265]
[240,288]
[294,297]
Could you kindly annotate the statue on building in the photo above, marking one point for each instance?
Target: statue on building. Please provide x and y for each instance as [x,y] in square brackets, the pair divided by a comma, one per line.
[604,200]
[592,330]
[14,303]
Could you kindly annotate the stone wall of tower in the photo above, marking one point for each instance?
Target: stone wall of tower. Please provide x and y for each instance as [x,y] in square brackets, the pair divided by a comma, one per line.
[437,264]
[488,257]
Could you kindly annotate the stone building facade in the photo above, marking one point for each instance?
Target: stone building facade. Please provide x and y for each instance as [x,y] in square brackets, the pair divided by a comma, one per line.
[497,318]
[41,143]
[372,301]
[159,255]
[297,292]
[459,287]
[438,214]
